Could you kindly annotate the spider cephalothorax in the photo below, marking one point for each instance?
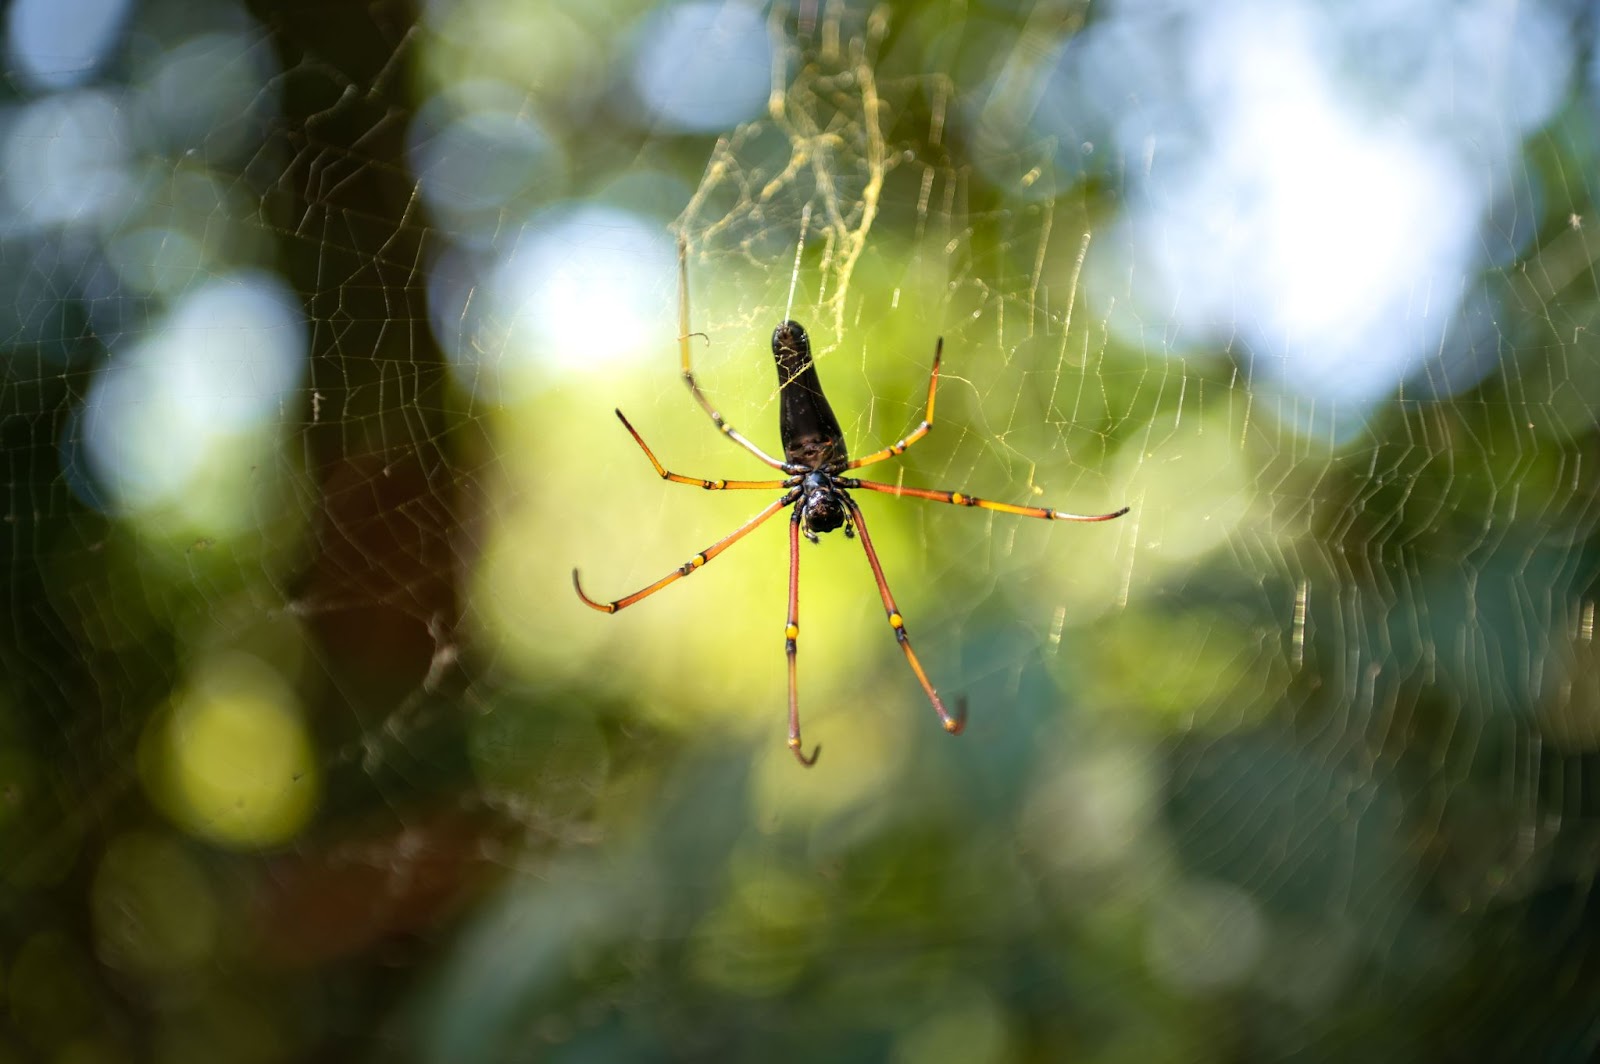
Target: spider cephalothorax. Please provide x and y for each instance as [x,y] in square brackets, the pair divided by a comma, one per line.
[815,456]
[822,505]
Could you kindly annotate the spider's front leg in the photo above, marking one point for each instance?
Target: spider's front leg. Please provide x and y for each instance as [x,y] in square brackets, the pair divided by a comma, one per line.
[701,482]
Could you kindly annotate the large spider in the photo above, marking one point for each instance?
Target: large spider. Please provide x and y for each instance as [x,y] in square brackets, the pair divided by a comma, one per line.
[815,460]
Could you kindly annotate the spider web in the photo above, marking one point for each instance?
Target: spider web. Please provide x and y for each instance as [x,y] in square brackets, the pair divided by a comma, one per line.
[317,317]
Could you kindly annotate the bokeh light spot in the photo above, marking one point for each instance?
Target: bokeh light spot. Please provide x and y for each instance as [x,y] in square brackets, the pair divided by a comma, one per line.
[189,404]
[59,44]
[704,66]
[208,89]
[1205,936]
[971,1029]
[582,289]
[233,761]
[66,159]
[153,910]
[470,166]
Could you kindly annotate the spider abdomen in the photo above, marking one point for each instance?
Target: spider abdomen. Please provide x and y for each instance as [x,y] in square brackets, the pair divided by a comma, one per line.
[810,432]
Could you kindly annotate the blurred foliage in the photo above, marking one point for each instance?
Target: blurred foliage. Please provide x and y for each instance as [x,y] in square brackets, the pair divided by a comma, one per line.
[1299,760]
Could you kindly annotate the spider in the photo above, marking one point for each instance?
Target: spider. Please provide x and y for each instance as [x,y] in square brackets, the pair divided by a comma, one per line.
[814,485]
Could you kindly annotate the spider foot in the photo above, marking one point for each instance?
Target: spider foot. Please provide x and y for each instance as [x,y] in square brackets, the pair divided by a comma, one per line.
[957,724]
[794,744]
[603,607]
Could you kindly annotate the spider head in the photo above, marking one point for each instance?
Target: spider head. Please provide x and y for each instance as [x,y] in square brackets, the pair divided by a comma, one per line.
[824,508]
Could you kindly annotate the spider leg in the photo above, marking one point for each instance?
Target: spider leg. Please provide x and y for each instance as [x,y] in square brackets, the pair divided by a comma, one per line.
[791,640]
[687,567]
[956,498]
[688,374]
[709,485]
[952,724]
[921,430]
